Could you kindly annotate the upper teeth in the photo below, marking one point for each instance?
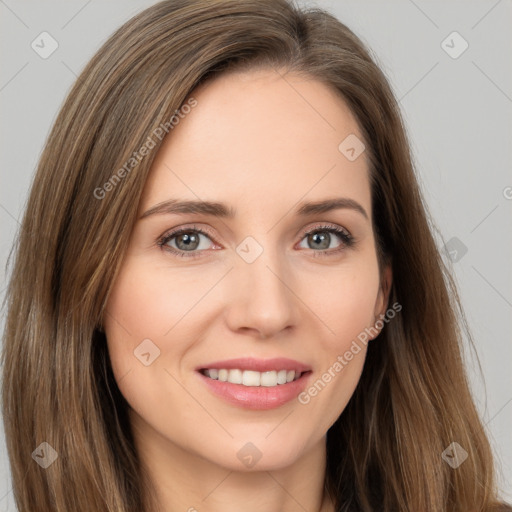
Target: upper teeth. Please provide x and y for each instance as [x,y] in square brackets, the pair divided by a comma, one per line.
[252,378]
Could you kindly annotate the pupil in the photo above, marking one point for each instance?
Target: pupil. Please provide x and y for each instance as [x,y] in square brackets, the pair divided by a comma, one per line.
[188,240]
[321,238]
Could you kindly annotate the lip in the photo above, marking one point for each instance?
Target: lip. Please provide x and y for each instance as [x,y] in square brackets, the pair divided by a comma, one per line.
[261,397]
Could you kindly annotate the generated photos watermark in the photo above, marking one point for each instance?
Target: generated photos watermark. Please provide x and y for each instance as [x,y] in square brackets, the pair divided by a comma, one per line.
[342,360]
[159,133]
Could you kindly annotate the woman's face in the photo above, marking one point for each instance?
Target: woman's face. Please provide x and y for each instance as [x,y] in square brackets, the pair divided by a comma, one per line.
[272,281]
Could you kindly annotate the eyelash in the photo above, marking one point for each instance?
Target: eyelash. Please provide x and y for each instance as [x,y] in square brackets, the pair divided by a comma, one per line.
[346,238]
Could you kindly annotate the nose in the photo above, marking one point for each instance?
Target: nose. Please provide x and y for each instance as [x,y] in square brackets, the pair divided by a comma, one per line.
[260,296]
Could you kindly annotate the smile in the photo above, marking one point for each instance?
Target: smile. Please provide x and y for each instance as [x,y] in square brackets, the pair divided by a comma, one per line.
[257,384]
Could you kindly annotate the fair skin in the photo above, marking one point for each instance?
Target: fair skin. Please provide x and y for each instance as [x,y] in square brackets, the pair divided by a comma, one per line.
[262,145]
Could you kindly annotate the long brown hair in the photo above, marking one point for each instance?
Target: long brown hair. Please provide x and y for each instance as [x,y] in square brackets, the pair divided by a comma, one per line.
[413,399]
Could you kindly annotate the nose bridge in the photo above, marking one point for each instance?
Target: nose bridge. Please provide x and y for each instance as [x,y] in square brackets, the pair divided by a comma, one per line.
[262,299]
[262,267]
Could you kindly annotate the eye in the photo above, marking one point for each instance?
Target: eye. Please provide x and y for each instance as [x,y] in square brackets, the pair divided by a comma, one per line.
[321,237]
[186,241]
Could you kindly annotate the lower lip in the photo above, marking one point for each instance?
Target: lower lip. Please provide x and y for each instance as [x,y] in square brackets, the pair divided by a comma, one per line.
[257,397]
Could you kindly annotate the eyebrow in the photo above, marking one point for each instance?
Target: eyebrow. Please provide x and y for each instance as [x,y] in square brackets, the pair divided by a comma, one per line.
[215,209]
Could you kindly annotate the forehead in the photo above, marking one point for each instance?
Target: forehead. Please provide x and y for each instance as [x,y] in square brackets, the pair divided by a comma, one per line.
[256,136]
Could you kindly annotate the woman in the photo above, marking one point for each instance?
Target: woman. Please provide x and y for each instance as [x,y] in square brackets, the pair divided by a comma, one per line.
[226,294]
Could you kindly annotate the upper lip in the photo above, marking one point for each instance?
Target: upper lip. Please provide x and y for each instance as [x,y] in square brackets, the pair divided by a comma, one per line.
[258,365]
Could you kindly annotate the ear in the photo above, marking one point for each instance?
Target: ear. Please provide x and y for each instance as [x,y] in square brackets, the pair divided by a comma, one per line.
[381,304]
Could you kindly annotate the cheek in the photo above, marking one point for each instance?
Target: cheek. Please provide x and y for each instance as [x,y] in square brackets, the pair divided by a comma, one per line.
[137,311]
[148,301]
[346,308]
[346,303]
[141,309]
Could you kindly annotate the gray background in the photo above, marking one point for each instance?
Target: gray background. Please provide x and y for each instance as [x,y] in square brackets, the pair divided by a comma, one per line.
[458,114]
